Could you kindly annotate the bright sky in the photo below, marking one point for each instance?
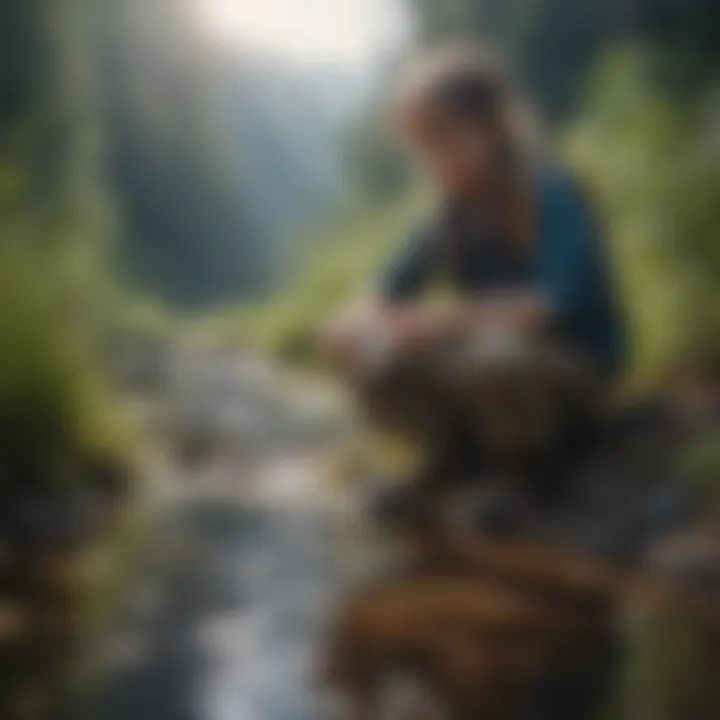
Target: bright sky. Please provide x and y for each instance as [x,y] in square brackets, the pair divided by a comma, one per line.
[328,31]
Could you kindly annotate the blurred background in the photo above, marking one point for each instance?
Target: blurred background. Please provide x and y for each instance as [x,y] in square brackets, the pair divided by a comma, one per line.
[187,189]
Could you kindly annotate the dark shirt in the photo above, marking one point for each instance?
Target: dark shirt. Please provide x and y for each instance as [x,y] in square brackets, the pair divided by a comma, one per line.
[564,262]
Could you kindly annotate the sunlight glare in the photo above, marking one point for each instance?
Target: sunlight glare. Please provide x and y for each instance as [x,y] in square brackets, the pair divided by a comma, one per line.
[341,31]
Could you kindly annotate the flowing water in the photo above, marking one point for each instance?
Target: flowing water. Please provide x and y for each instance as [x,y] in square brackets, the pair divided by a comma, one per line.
[225,624]
[224,620]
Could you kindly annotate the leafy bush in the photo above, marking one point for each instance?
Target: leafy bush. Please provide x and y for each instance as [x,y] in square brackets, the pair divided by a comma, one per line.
[55,410]
[654,163]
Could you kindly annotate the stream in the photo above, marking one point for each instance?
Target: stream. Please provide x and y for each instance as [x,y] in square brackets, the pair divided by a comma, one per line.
[224,625]
[223,621]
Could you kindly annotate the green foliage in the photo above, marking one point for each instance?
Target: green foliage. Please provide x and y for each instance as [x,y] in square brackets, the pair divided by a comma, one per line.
[347,256]
[55,411]
[554,44]
[655,166]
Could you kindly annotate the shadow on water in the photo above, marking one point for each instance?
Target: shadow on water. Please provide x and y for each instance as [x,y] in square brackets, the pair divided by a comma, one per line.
[224,625]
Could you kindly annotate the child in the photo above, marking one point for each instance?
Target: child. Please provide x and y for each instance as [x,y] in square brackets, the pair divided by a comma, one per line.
[515,240]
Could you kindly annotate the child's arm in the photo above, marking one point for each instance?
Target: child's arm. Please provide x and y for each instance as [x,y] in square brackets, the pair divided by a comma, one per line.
[378,327]
[386,309]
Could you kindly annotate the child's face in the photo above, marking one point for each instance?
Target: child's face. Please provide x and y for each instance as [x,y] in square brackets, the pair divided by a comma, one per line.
[459,155]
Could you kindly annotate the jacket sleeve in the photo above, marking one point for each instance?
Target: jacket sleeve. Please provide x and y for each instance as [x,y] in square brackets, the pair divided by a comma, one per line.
[574,275]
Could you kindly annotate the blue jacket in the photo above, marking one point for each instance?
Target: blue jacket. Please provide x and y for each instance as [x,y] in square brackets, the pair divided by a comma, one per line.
[566,264]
